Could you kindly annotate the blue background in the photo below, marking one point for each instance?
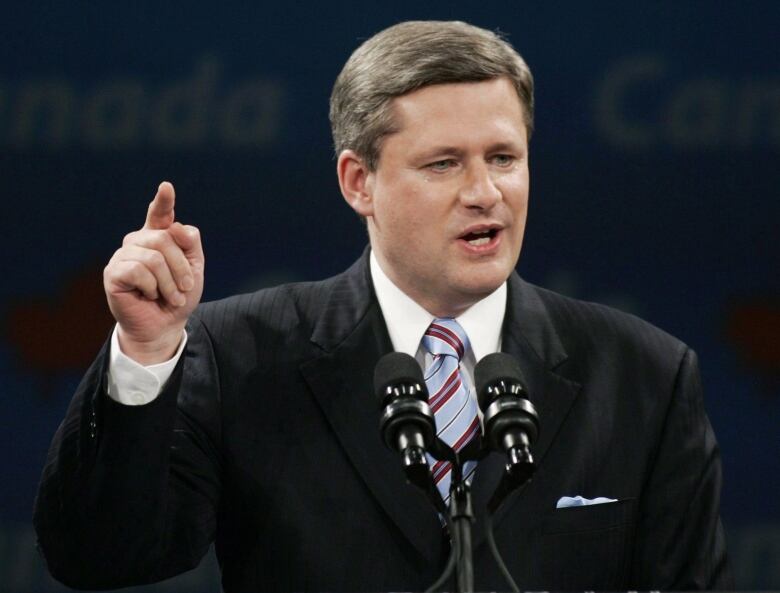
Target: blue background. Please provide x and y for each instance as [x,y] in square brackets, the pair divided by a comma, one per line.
[654,174]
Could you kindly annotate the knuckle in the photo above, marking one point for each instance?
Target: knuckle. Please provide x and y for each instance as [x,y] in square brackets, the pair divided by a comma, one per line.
[151,238]
[142,278]
[165,241]
[118,270]
[134,270]
[156,260]
[113,263]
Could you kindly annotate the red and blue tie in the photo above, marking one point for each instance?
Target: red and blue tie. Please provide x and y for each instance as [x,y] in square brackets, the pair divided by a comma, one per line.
[449,396]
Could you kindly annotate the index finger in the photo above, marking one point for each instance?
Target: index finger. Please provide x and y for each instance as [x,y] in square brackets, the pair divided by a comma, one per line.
[160,214]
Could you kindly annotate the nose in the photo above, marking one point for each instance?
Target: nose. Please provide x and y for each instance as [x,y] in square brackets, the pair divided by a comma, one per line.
[479,189]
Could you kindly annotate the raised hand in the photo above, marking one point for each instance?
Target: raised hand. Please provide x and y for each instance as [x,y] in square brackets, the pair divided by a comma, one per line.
[154,281]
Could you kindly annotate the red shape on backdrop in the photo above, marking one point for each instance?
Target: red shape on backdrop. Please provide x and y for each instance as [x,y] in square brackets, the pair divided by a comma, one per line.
[61,333]
[753,327]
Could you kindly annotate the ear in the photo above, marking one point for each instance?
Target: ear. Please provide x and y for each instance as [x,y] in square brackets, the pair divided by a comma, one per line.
[355,181]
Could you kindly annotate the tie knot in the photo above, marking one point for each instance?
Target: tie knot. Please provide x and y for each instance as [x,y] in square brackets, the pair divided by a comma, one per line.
[445,337]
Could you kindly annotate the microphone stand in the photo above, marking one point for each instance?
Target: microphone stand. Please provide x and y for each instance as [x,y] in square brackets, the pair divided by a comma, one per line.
[462,519]
[460,513]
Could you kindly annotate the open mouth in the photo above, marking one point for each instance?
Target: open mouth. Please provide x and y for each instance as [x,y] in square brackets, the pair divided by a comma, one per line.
[480,238]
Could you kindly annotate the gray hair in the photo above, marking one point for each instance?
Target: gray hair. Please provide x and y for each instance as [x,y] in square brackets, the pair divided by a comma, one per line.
[409,56]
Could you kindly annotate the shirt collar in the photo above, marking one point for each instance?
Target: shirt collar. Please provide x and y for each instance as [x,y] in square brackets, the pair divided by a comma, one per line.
[407,321]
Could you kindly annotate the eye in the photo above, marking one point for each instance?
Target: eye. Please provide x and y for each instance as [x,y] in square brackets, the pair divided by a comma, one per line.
[441,166]
[503,160]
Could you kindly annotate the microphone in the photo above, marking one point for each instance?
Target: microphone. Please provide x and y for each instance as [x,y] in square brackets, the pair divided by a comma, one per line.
[407,424]
[510,420]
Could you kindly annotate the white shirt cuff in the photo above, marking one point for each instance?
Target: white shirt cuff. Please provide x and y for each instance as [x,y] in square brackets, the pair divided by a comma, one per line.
[133,384]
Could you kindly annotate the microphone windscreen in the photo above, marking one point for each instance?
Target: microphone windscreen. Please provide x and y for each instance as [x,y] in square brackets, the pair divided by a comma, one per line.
[493,368]
[396,368]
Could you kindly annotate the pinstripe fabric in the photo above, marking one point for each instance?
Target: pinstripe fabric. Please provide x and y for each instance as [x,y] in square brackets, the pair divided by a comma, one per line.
[449,395]
[286,373]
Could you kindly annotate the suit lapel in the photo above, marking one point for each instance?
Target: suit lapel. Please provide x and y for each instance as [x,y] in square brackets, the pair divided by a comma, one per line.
[531,338]
[352,333]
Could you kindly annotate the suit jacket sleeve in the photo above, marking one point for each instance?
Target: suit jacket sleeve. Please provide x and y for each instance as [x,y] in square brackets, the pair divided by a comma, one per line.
[129,494]
[680,544]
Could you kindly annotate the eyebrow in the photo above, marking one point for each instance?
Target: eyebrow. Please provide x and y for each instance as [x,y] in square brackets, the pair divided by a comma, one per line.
[458,152]
[505,147]
[440,150]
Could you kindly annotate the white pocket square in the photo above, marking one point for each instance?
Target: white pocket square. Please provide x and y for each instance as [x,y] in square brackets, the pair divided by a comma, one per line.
[578,501]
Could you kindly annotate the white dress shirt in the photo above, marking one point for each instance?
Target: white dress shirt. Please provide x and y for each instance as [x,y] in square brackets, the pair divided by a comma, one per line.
[407,321]
[134,384]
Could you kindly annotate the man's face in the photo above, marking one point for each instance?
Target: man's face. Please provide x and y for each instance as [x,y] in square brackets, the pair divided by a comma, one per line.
[447,203]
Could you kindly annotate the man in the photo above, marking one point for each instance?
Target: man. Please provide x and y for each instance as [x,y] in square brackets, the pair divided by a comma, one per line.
[256,427]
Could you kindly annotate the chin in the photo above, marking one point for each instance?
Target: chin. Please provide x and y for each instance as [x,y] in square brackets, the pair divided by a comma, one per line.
[479,290]
[485,279]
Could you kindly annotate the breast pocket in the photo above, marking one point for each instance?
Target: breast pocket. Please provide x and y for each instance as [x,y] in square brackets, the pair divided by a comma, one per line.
[587,547]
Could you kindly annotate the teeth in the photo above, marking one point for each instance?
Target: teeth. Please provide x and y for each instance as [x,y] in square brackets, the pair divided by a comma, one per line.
[480,241]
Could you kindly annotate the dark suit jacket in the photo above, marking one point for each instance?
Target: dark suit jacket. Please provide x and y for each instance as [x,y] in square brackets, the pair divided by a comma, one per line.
[266,440]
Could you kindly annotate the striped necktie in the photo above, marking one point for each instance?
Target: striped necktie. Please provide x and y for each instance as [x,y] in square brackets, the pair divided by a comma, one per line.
[449,396]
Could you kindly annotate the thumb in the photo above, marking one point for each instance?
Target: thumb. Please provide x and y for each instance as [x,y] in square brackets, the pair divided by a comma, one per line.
[160,214]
